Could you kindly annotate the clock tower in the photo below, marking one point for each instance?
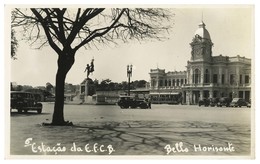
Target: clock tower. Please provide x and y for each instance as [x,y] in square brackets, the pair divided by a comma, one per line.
[201,45]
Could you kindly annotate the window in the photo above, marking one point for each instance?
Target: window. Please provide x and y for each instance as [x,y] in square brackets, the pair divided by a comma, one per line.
[206,76]
[215,78]
[161,83]
[240,94]
[240,79]
[153,82]
[223,79]
[196,75]
[178,82]
[232,79]
[169,83]
[247,96]
[181,81]
[173,82]
[82,89]
[247,79]
[165,82]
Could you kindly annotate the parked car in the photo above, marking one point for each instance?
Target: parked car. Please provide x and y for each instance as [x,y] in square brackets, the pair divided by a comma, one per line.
[132,102]
[24,101]
[238,102]
[214,102]
[204,102]
[224,101]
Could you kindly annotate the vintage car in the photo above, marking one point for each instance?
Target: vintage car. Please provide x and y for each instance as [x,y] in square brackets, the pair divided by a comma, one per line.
[24,101]
[224,101]
[238,102]
[132,102]
[214,102]
[204,102]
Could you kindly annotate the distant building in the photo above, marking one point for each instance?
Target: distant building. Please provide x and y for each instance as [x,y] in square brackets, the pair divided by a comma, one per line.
[206,76]
[167,87]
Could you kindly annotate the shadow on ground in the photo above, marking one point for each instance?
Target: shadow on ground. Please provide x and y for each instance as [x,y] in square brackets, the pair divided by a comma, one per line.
[16,114]
[144,137]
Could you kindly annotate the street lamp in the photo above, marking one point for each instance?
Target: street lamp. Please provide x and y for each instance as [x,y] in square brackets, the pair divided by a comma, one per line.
[129,74]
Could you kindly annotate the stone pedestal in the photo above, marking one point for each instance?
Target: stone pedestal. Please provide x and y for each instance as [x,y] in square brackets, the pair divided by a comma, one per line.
[87,89]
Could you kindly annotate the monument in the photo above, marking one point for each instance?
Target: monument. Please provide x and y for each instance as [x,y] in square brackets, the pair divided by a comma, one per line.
[87,87]
[90,68]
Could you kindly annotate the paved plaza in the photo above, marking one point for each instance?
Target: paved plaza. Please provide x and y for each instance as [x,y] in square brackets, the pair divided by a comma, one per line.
[170,130]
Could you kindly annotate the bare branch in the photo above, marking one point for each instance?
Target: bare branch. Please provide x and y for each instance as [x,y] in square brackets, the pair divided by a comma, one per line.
[47,31]
[76,28]
[84,19]
[60,15]
[96,32]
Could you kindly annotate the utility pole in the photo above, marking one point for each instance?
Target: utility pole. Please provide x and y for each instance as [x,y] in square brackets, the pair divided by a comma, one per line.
[129,74]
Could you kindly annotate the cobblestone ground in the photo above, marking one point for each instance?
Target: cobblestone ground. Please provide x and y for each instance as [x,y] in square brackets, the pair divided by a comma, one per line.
[122,136]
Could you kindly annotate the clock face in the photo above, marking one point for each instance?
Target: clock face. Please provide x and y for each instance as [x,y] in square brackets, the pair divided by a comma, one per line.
[201,50]
[197,51]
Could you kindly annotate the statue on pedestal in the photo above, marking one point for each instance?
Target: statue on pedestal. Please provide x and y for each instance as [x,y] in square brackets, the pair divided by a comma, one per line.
[90,68]
[89,87]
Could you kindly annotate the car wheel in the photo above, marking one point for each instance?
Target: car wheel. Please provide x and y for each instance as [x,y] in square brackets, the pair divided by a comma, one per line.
[39,111]
[125,106]
[20,110]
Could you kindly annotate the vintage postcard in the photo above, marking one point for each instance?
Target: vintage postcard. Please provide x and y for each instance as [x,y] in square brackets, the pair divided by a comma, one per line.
[130,81]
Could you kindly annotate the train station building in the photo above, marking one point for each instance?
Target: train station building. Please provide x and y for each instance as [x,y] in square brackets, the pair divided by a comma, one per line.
[206,76]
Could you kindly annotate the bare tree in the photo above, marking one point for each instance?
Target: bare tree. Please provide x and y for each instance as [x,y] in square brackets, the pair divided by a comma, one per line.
[67,30]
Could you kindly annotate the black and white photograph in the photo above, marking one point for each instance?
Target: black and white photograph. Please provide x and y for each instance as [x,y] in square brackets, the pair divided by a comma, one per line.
[130,80]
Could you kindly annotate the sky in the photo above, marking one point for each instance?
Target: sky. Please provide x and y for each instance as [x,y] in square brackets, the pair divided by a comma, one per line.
[231,29]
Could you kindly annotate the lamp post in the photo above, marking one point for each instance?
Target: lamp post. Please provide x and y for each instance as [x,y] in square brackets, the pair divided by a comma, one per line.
[129,74]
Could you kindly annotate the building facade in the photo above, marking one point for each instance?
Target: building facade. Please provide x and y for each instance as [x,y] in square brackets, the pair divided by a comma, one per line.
[167,87]
[206,76]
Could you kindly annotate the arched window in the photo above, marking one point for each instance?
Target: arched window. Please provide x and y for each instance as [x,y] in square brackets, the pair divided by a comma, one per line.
[196,75]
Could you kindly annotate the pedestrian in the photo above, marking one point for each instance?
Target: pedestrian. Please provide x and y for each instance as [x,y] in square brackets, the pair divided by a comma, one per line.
[149,103]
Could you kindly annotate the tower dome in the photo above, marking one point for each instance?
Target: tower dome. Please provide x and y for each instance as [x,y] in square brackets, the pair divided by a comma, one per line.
[202,31]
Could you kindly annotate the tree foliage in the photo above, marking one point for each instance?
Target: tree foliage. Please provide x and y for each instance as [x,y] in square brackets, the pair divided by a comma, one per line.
[14,44]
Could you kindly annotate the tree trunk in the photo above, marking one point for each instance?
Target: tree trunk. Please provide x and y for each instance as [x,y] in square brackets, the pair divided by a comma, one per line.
[65,62]
[58,116]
